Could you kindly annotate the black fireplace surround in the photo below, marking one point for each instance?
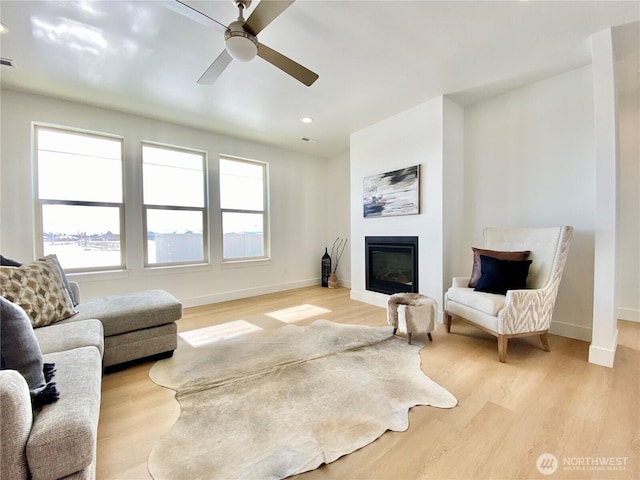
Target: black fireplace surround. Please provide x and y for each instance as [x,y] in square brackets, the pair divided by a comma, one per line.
[391,264]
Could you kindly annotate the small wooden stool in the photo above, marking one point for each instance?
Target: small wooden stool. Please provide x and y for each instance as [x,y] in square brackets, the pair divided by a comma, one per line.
[419,314]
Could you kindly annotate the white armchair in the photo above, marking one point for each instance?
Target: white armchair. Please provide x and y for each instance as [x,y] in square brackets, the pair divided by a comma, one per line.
[520,312]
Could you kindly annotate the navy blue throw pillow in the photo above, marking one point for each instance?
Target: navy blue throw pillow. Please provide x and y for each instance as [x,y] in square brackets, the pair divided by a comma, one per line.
[498,276]
[7,262]
[20,351]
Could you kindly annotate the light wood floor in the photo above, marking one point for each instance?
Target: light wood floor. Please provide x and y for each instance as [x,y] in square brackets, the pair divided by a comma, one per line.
[508,414]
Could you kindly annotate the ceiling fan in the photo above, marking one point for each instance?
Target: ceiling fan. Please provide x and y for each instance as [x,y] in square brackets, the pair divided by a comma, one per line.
[241,41]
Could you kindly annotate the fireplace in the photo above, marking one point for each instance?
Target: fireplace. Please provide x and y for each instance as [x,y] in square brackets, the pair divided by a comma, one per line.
[391,264]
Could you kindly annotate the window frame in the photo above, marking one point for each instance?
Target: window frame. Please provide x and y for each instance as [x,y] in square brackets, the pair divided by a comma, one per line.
[266,240]
[204,209]
[39,203]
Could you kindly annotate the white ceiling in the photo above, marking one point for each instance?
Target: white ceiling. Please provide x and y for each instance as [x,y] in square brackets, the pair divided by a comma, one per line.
[374,58]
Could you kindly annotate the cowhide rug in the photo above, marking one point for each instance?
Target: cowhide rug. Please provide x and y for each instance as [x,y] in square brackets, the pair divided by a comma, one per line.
[276,403]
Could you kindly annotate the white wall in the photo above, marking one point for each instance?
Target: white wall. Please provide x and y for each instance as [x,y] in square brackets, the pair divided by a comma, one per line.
[454,194]
[339,221]
[413,137]
[529,161]
[628,79]
[298,197]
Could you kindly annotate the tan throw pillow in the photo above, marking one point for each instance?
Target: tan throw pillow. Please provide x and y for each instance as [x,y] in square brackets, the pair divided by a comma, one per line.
[476,271]
[38,288]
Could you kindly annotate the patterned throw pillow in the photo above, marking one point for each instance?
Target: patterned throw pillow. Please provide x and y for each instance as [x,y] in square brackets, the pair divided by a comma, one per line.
[38,288]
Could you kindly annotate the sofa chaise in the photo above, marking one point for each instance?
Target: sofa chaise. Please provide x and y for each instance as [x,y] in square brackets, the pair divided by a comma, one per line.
[136,325]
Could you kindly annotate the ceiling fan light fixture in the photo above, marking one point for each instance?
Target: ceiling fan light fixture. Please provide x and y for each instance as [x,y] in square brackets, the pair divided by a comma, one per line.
[241,45]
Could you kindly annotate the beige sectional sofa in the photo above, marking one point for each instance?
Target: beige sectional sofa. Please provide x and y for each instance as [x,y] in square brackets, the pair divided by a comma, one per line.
[58,440]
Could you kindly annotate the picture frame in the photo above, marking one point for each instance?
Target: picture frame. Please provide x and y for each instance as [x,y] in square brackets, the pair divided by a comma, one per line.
[392,193]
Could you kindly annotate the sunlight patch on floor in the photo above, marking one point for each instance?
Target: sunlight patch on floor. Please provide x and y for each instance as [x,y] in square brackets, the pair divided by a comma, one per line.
[215,333]
[299,312]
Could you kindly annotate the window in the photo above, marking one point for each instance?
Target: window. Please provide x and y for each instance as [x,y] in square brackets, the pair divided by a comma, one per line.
[243,200]
[175,206]
[80,209]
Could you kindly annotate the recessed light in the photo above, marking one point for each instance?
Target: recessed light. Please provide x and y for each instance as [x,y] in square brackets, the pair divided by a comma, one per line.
[306,119]
[3,29]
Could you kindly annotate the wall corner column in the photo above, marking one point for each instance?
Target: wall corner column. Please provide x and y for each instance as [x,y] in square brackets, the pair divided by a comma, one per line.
[604,332]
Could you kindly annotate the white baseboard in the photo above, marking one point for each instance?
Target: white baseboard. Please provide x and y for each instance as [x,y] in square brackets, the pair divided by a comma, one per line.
[570,330]
[630,314]
[604,356]
[372,298]
[249,292]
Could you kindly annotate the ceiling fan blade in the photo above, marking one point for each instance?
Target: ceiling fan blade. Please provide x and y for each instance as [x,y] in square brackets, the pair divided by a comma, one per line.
[287,65]
[264,14]
[212,73]
[188,11]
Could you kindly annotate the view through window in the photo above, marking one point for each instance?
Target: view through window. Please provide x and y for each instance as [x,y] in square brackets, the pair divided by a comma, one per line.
[81,207]
[175,207]
[80,198]
[242,200]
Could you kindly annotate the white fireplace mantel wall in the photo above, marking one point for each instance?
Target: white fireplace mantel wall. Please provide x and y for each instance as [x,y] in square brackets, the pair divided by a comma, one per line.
[415,137]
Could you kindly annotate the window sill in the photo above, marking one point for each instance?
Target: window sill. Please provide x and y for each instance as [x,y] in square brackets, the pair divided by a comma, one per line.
[259,262]
[98,275]
[175,269]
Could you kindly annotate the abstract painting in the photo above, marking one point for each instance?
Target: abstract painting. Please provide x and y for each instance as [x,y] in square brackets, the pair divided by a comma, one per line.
[392,193]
